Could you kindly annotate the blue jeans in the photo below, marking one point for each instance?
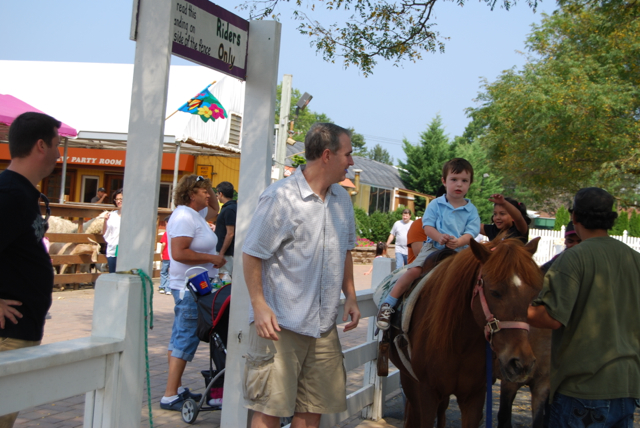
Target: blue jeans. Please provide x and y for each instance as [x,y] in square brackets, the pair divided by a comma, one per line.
[572,412]
[401,260]
[111,261]
[184,341]
[164,276]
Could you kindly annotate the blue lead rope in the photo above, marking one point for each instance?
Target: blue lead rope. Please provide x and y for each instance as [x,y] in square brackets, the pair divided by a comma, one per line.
[489,358]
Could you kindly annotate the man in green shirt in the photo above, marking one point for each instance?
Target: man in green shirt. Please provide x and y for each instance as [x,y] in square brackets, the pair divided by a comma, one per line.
[591,299]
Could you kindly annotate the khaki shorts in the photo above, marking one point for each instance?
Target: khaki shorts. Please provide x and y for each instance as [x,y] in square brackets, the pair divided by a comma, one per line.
[9,344]
[427,248]
[296,374]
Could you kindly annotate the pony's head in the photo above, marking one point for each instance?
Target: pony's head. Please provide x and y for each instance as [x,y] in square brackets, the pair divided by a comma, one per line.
[511,280]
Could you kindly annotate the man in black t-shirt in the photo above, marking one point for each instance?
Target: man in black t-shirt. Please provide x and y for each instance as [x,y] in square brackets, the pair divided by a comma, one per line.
[27,275]
[226,225]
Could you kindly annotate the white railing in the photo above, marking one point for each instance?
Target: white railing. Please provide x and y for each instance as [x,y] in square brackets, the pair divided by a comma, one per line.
[107,366]
[552,243]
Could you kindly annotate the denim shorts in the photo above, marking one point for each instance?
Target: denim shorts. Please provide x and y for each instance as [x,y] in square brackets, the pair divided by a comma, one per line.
[572,412]
[184,341]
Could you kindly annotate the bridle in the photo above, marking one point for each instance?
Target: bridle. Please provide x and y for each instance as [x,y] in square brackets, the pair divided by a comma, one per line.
[493,325]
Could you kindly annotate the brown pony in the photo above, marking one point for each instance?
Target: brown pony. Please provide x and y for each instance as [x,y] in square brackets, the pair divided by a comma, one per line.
[447,331]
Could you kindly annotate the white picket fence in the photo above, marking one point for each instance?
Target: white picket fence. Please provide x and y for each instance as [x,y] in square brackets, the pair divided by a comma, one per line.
[552,243]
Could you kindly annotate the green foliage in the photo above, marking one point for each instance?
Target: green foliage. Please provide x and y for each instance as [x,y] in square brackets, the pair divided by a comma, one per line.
[569,118]
[379,154]
[363,224]
[297,160]
[562,218]
[634,224]
[358,143]
[380,226]
[306,117]
[423,170]
[394,31]
[621,224]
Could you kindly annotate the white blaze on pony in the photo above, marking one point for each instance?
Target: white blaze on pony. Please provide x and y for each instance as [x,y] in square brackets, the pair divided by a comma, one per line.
[516,281]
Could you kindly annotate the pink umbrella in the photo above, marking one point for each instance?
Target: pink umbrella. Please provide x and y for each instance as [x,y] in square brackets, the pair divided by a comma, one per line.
[11,107]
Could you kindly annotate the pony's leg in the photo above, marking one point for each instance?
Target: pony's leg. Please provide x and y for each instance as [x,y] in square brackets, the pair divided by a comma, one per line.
[508,391]
[539,396]
[471,408]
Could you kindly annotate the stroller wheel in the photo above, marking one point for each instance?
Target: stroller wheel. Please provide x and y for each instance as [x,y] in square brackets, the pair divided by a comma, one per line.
[190,411]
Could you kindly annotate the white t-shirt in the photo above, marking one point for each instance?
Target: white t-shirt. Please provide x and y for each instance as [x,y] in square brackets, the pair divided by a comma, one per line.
[400,230]
[112,234]
[188,222]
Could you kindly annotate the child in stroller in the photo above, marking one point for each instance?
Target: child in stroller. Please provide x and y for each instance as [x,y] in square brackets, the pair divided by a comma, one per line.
[213,326]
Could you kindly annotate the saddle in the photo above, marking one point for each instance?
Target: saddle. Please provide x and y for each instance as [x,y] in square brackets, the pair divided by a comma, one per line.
[401,318]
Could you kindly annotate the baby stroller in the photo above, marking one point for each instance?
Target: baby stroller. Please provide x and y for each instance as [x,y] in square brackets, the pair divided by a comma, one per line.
[213,326]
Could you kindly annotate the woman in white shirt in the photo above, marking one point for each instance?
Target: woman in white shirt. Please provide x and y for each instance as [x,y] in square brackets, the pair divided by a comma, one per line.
[111,230]
[191,243]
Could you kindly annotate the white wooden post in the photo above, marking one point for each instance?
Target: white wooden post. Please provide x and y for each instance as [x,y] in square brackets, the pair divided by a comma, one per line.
[141,185]
[381,268]
[283,128]
[255,175]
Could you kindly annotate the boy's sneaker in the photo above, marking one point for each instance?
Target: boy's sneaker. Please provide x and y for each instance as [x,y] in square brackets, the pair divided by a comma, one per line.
[383,320]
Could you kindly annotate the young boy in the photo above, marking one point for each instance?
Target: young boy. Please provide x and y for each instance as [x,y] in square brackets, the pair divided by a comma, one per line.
[450,221]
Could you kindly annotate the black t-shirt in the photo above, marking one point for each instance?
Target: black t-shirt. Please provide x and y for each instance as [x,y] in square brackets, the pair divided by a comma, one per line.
[227,217]
[26,274]
[491,231]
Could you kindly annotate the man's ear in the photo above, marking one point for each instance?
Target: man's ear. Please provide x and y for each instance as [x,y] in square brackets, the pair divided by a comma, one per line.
[326,154]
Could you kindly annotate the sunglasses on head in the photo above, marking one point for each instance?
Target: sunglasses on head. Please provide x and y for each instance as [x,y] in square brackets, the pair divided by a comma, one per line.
[199,178]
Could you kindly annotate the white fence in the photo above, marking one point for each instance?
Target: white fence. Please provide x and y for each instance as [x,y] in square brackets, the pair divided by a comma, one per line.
[552,243]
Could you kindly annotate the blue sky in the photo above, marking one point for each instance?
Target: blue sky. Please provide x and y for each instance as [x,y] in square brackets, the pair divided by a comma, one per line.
[392,104]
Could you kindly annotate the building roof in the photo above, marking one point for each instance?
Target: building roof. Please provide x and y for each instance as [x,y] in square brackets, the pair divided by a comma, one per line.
[373,173]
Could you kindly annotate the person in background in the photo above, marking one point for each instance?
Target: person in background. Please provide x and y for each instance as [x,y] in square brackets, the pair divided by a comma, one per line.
[399,232]
[297,259]
[99,198]
[415,239]
[590,298]
[111,230]
[381,251]
[226,225]
[33,146]
[166,260]
[571,239]
[191,243]
[508,215]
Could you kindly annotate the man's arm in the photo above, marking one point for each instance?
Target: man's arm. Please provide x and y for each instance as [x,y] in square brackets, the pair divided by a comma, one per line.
[538,316]
[227,239]
[214,206]
[265,320]
[390,239]
[349,290]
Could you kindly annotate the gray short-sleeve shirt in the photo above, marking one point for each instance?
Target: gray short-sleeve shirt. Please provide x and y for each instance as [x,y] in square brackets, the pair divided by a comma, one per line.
[303,242]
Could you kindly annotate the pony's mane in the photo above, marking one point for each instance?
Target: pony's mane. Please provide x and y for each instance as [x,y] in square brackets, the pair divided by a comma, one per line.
[449,288]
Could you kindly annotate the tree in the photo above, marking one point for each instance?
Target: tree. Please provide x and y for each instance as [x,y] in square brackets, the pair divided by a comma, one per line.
[389,30]
[380,155]
[358,143]
[569,119]
[621,224]
[423,170]
[306,117]
[634,224]
[562,218]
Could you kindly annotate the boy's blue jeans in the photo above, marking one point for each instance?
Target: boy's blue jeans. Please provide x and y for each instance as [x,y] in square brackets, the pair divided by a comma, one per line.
[572,412]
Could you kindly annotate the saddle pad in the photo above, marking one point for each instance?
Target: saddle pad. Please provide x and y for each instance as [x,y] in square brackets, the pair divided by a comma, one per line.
[410,302]
[384,288]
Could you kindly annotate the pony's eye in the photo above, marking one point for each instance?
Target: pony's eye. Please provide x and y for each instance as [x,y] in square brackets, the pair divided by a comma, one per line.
[496,294]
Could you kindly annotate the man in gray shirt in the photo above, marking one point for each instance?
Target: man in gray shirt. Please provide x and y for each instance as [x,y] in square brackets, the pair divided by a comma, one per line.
[297,259]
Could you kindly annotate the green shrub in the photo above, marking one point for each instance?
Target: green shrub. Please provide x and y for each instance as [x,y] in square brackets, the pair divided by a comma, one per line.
[562,218]
[363,224]
[634,224]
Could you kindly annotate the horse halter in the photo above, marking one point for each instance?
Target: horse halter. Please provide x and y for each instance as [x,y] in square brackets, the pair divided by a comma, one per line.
[493,325]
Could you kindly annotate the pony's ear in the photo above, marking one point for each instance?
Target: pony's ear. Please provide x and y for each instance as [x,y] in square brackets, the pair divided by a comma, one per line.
[532,246]
[481,252]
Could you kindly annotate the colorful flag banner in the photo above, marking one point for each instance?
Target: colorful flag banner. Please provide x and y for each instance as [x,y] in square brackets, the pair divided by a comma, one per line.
[205,105]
